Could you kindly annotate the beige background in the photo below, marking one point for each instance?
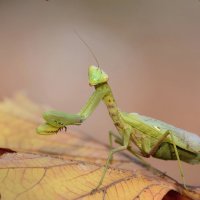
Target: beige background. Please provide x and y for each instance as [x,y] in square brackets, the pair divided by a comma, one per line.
[150,49]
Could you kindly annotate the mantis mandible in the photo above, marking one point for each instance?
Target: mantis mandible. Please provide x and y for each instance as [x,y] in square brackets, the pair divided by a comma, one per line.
[152,137]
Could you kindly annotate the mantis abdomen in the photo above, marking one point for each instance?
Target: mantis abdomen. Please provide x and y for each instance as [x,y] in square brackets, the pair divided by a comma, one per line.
[166,152]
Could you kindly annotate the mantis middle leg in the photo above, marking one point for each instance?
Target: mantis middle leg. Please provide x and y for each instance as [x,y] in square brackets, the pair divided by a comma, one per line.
[126,141]
[134,152]
[111,136]
[118,139]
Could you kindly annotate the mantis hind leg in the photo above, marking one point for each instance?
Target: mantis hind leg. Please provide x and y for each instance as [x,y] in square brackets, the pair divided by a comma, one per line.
[179,161]
[156,147]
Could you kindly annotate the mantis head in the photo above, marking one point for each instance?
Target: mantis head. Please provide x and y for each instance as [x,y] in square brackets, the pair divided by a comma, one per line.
[96,76]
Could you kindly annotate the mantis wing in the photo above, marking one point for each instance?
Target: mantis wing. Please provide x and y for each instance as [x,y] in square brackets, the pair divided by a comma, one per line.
[184,139]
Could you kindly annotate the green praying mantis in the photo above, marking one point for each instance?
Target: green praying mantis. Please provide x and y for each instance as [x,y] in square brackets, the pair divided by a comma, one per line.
[151,137]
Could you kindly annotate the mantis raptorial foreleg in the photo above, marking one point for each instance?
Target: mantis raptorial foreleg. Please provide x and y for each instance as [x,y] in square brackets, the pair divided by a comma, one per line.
[56,121]
[92,103]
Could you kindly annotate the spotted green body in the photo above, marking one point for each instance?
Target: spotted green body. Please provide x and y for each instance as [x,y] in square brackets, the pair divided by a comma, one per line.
[152,137]
[113,110]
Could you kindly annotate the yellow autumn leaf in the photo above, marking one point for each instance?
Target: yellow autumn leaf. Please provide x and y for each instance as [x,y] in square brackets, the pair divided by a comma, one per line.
[34,176]
[68,166]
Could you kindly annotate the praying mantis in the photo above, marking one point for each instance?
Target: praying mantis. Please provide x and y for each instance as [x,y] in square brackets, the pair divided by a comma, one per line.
[151,137]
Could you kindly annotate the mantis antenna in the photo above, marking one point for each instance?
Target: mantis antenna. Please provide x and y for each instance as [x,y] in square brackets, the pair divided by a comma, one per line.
[88,47]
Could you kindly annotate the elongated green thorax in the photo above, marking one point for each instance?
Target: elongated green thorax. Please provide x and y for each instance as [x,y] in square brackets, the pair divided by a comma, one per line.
[113,110]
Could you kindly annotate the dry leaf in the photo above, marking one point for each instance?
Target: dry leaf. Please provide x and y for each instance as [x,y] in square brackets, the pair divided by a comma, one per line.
[29,176]
[37,176]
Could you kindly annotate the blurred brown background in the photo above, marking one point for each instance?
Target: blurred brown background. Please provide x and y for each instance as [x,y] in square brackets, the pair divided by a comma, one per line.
[150,49]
